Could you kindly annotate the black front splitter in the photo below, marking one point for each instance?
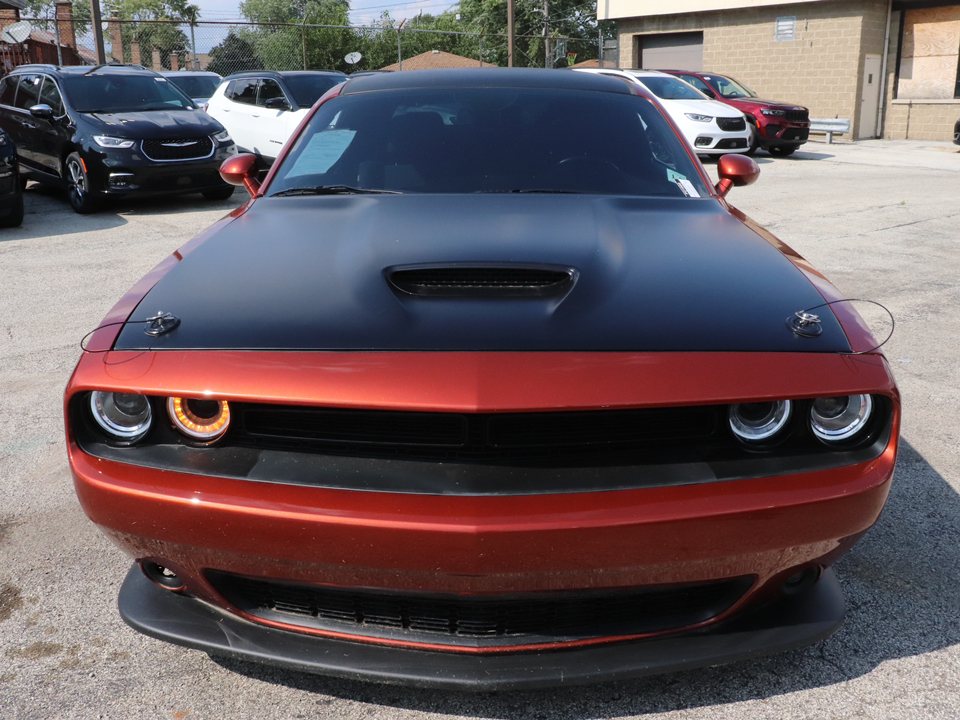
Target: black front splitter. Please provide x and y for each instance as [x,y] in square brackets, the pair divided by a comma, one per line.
[789,623]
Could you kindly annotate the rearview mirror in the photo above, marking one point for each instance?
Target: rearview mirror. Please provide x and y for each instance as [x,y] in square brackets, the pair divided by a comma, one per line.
[735,170]
[241,170]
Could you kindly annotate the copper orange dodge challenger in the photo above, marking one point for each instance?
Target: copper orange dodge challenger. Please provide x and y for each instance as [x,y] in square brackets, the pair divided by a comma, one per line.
[486,386]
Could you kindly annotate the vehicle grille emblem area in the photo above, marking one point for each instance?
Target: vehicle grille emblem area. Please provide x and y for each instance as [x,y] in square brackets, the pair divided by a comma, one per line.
[186,143]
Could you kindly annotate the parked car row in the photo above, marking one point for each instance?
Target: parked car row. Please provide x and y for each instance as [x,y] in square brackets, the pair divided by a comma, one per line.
[116,130]
[711,127]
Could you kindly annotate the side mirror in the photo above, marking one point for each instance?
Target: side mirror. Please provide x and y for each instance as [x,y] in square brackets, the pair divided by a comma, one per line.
[276,103]
[709,93]
[43,111]
[241,170]
[735,170]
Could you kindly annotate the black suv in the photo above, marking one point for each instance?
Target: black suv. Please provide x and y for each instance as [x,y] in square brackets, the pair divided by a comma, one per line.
[111,130]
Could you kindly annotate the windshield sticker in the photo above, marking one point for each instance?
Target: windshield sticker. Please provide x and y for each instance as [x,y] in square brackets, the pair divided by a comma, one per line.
[323,150]
[686,187]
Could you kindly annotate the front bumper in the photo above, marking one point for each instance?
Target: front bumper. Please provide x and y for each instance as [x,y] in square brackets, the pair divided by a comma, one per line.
[784,624]
[125,172]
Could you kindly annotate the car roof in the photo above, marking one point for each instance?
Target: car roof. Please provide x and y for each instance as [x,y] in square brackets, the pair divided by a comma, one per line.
[195,73]
[282,73]
[77,70]
[485,77]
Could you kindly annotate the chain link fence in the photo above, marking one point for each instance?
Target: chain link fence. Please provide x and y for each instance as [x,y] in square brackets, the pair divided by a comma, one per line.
[226,48]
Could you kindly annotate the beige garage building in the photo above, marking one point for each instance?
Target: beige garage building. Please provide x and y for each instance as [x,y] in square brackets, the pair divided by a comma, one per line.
[890,66]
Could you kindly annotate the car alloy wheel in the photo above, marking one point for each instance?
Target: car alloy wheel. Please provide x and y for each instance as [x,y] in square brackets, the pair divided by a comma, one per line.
[78,185]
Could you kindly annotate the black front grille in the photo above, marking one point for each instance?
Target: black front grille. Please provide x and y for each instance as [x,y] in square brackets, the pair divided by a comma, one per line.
[477,620]
[481,280]
[731,144]
[798,134]
[173,149]
[797,115]
[509,437]
[732,124]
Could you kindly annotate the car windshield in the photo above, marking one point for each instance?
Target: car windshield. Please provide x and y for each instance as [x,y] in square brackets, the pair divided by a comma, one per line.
[116,93]
[730,88]
[199,87]
[671,88]
[307,89]
[494,140]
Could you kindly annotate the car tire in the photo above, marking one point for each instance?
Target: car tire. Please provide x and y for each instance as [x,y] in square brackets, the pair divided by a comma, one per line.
[784,150]
[15,216]
[81,198]
[220,193]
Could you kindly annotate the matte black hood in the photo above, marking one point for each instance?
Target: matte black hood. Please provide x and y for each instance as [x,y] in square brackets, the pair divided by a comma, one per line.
[652,274]
[155,124]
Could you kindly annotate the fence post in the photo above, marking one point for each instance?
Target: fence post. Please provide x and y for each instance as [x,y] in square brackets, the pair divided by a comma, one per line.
[303,40]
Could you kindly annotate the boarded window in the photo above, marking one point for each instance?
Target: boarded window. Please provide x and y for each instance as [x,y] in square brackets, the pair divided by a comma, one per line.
[930,54]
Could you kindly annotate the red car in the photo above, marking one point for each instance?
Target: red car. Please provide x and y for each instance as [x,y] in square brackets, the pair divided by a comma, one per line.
[779,128]
[486,386]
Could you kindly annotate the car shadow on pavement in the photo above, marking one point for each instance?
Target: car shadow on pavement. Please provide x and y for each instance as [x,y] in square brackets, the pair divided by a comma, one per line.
[902,583]
[47,212]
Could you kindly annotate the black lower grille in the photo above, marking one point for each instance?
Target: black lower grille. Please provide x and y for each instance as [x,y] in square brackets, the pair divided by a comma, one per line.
[731,124]
[799,134]
[472,620]
[178,149]
[513,437]
[731,144]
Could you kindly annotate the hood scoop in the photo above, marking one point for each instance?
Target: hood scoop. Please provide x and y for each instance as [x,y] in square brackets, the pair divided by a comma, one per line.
[481,280]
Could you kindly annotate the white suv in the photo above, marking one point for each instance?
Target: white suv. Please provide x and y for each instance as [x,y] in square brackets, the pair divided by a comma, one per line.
[711,127]
[261,109]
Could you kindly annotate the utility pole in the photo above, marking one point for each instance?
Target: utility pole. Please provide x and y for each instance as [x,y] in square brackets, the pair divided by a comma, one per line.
[510,33]
[547,59]
[98,31]
[399,49]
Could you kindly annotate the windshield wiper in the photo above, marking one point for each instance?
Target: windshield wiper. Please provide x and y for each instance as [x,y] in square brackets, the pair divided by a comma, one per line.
[533,190]
[334,190]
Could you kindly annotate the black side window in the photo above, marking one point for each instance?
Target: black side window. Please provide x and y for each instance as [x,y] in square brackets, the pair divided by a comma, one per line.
[50,95]
[697,83]
[244,91]
[29,93]
[8,89]
[269,89]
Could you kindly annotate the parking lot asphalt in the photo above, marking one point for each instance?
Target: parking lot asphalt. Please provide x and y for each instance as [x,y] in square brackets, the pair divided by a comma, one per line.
[879,218]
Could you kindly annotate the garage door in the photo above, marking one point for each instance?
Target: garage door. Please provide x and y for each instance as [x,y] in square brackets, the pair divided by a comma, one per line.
[671,51]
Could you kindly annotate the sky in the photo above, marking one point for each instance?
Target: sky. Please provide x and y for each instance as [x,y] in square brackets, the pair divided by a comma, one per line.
[362,12]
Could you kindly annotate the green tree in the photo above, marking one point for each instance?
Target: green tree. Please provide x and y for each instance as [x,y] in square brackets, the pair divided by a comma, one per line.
[232,55]
[47,9]
[168,38]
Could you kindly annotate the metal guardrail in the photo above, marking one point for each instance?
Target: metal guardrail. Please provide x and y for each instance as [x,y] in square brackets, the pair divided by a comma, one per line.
[830,126]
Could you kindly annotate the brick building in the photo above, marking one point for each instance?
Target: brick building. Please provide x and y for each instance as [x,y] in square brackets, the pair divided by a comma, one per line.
[891,66]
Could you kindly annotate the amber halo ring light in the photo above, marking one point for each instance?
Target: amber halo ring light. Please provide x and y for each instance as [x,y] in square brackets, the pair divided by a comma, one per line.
[200,420]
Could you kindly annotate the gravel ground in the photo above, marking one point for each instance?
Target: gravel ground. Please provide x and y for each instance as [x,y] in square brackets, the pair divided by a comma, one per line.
[878,217]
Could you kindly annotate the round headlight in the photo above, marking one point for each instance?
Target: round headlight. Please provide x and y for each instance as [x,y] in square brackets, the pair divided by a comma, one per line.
[125,416]
[203,420]
[758,421]
[838,418]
